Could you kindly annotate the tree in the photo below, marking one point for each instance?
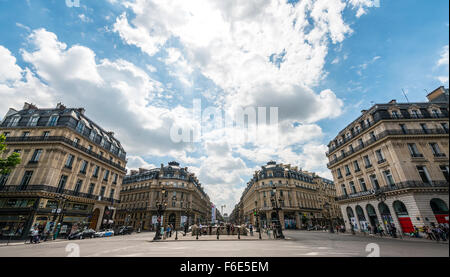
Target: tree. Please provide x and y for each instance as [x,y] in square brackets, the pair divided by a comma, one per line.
[6,165]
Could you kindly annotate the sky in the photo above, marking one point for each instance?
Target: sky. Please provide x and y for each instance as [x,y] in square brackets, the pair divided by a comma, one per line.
[138,66]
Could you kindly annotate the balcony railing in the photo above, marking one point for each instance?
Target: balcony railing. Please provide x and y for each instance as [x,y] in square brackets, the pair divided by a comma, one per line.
[371,123]
[384,134]
[66,141]
[397,186]
[46,188]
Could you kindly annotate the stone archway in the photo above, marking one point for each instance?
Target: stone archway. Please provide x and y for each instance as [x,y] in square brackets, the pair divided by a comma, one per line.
[361,217]
[351,217]
[440,210]
[172,219]
[385,215]
[403,217]
[373,219]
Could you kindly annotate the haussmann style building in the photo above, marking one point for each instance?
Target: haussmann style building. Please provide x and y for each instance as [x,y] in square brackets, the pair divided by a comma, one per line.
[391,165]
[303,196]
[70,173]
[180,192]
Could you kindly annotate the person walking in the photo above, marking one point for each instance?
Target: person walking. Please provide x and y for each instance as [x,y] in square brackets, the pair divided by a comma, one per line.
[268,231]
[380,230]
[251,229]
[36,235]
[274,230]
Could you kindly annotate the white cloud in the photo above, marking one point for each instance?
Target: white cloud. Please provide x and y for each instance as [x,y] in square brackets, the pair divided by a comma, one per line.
[444,57]
[136,162]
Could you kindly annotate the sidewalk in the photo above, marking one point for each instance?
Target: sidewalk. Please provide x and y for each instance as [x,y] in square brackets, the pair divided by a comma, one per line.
[406,238]
[22,242]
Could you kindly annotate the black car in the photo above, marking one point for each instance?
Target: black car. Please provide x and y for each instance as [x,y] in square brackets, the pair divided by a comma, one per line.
[125,230]
[88,233]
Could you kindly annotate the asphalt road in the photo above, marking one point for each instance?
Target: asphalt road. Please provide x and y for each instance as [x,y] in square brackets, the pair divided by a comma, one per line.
[297,244]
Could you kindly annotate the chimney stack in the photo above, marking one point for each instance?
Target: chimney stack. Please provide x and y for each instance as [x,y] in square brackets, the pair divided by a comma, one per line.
[28,106]
[60,106]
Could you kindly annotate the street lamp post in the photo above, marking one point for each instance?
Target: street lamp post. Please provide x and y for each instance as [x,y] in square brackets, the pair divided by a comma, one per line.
[61,203]
[258,221]
[161,207]
[276,205]
[186,225]
[327,207]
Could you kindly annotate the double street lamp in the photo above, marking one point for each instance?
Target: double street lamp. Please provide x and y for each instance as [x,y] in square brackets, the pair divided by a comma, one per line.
[160,208]
[187,211]
[276,206]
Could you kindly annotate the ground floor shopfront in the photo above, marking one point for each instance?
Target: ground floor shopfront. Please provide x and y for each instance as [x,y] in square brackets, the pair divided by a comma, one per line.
[18,215]
[404,211]
[146,220]
[293,219]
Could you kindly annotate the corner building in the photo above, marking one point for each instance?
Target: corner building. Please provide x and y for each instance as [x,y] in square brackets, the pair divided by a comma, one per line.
[142,190]
[303,197]
[391,166]
[70,173]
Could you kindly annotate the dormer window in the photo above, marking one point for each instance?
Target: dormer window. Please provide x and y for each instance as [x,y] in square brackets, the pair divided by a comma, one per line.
[33,120]
[92,135]
[53,120]
[415,113]
[14,121]
[435,113]
[80,127]
[395,114]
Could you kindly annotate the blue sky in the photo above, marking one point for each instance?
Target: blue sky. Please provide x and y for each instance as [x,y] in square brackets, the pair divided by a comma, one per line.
[136,66]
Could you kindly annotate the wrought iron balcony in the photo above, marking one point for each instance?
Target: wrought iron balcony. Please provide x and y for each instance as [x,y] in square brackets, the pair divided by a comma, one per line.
[66,141]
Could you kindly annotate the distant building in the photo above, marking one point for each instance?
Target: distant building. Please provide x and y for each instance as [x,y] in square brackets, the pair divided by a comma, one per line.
[185,198]
[71,171]
[396,151]
[303,193]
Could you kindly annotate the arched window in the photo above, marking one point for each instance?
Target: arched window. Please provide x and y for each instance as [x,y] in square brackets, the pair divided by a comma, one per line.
[438,206]
[400,208]
[350,212]
[384,209]
[360,213]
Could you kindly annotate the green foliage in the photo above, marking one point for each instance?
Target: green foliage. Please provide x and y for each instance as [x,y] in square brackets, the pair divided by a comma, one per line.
[6,165]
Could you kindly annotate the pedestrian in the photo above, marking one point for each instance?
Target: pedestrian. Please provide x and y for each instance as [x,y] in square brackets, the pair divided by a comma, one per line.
[251,230]
[416,231]
[369,229]
[380,230]
[210,229]
[393,230]
[36,235]
[268,231]
[274,230]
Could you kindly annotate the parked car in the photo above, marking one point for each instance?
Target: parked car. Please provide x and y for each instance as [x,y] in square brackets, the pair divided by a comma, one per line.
[88,233]
[125,230]
[104,233]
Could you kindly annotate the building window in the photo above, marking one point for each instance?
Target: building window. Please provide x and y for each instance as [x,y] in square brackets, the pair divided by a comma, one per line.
[404,129]
[424,128]
[372,136]
[69,161]
[374,181]
[415,113]
[356,166]
[380,156]
[92,135]
[96,170]
[436,150]
[367,162]
[106,175]
[435,113]
[46,134]
[413,150]
[25,134]
[347,170]
[115,178]
[78,186]
[53,120]
[352,187]
[102,191]
[80,127]
[26,179]
[14,121]
[424,174]
[6,134]
[445,171]
[362,183]
[3,179]
[344,190]
[91,189]
[445,127]
[361,143]
[111,194]
[389,178]
[83,167]
[36,155]
[395,114]
[33,120]
[62,183]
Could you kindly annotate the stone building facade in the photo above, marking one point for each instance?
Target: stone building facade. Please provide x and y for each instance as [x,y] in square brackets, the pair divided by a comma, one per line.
[391,166]
[185,197]
[303,197]
[70,173]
